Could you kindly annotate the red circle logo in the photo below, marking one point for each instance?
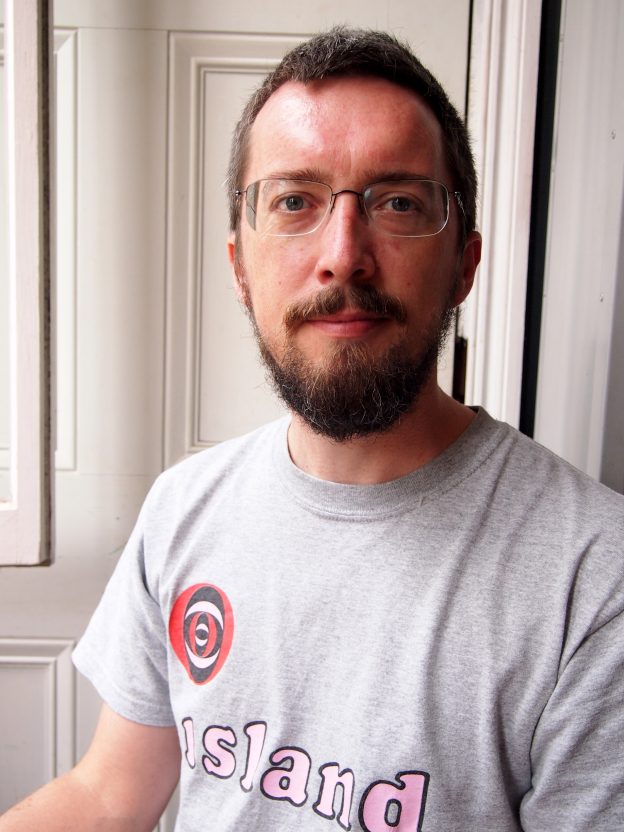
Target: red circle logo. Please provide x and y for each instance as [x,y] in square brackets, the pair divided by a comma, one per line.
[201,627]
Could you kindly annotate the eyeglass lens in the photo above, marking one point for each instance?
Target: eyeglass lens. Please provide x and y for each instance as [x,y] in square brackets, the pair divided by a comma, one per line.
[291,207]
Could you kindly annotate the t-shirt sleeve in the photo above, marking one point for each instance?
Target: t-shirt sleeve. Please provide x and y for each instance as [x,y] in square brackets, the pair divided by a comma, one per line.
[577,772]
[124,649]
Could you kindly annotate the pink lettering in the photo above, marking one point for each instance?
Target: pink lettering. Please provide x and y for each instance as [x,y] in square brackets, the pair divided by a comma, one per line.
[332,778]
[189,737]
[287,783]
[219,760]
[256,733]
[386,807]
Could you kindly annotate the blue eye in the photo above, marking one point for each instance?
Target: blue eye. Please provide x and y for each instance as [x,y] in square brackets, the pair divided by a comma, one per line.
[388,199]
[292,203]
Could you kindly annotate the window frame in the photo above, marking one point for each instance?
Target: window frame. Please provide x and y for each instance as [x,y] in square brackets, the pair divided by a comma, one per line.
[25,518]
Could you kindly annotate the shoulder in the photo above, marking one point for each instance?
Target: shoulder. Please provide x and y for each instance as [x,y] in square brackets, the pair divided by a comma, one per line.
[566,517]
[555,513]
[538,471]
[520,462]
[196,476]
[559,529]
[224,453]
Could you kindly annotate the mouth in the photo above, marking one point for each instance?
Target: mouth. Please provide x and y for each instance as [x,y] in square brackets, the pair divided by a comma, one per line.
[348,323]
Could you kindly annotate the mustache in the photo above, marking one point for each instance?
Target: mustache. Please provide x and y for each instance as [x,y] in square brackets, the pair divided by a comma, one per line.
[364,298]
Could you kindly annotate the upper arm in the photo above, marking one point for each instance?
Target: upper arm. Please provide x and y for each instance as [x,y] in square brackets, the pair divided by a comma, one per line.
[578,779]
[131,769]
[122,784]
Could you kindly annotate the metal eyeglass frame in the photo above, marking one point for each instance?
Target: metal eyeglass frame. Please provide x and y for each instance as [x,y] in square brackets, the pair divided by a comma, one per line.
[361,202]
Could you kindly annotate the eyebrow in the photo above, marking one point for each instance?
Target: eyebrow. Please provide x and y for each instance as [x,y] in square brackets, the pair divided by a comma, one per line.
[307,174]
[370,176]
[395,175]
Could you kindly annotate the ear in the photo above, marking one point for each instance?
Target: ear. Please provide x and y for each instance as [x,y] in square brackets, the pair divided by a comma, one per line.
[237,276]
[470,259]
[238,273]
[231,250]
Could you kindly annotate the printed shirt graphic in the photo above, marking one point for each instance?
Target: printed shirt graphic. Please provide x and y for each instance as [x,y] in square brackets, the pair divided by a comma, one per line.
[201,627]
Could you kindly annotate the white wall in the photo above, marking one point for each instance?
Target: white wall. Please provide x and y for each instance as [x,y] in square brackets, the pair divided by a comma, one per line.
[581,364]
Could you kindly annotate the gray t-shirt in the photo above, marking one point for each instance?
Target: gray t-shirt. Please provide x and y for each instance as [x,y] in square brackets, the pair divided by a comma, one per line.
[440,652]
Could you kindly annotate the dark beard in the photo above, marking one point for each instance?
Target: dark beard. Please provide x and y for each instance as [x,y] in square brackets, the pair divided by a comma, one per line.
[353,394]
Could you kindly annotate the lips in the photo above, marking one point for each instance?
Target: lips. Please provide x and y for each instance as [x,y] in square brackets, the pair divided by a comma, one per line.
[347,323]
[347,316]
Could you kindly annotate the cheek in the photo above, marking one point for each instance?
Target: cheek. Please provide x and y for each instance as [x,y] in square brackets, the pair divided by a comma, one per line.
[424,278]
[275,274]
[263,295]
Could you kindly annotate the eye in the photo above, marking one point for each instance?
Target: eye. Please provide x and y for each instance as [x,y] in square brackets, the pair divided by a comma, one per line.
[401,204]
[291,203]
[398,203]
[397,199]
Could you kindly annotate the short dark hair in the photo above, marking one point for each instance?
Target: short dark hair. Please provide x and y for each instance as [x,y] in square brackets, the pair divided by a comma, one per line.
[352,52]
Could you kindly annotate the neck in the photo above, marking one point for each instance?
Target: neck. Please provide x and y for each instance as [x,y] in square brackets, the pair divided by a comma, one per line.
[433,424]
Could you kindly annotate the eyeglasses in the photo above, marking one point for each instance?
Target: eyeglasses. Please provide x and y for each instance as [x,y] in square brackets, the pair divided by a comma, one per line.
[399,208]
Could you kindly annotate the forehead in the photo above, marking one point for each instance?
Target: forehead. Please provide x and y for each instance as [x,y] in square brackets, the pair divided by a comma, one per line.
[345,130]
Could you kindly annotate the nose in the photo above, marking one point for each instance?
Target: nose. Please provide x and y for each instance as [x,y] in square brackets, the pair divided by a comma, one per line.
[345,244]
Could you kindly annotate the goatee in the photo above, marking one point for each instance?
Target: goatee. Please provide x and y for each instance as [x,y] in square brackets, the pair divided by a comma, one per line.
[353,393]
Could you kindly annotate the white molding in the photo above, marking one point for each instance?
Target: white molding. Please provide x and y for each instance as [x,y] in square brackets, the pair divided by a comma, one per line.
[54,655]
[501,117]
[64,294]
[4,305]
[25,518]
[65,173]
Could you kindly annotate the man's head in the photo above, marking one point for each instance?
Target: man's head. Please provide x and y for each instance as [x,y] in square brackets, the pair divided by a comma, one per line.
[352,254]
[343,52]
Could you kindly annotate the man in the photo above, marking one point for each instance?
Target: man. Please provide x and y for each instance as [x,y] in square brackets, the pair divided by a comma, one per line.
[388,611]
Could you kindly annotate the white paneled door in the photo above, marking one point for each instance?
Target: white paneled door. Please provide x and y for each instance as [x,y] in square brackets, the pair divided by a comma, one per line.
[153,356]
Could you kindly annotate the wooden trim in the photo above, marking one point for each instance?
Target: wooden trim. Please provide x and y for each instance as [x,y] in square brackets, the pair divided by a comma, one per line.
[501,117]
[25,520]
[58,703]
